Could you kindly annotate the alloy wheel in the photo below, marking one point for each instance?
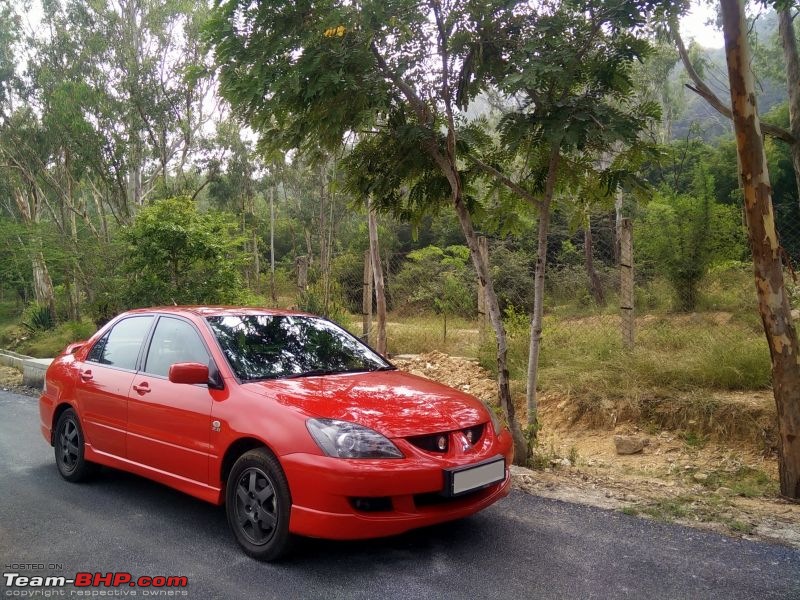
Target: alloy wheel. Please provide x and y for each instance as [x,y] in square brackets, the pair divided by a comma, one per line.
[256,506]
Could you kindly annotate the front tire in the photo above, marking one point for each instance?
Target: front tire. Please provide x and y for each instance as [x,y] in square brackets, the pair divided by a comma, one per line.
[69,448]
[257,503]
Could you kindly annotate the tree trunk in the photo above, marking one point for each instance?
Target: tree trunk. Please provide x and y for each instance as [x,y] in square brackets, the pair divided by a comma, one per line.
[272,245]
[483,244]
[73,289]
[595,285]
[481,265]
[366,298]
[791,59]
[773,302]
[43,284]
[377,273]
[256,262]
[617,228]
[538,286]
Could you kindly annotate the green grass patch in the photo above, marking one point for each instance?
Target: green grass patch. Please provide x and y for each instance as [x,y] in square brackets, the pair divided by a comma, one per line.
[46,344]
[743,481]
[740,526]
[669,509]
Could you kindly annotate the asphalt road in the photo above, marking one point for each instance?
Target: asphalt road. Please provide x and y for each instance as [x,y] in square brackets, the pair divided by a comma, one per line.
[523,547]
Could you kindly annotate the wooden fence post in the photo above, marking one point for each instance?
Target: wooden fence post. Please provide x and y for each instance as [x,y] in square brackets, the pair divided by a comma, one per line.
[366,301]
[626,281]
[483,315]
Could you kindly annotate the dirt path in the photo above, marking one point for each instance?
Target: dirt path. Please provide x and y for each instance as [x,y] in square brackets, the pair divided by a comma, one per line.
[730,488]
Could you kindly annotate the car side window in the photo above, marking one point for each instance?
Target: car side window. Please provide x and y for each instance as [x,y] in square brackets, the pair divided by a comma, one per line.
[174,341]
[120,346]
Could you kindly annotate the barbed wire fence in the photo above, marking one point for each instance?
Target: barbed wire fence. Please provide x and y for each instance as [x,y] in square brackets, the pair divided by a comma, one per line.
[615,283]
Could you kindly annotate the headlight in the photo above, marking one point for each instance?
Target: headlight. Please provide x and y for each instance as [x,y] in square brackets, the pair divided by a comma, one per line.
[342,439]
[496,422]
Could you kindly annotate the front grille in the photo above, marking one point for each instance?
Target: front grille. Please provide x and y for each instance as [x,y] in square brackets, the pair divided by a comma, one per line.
[439,443]
[430,443]
[474,434]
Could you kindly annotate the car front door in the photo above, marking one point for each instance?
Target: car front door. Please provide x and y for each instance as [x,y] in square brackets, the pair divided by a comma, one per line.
[104,381]
[169,424]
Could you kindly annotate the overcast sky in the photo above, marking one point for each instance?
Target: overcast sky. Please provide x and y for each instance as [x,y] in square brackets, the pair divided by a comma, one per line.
[694,25]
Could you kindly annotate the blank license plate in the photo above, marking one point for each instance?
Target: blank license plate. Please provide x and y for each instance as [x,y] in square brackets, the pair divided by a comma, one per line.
[475,477]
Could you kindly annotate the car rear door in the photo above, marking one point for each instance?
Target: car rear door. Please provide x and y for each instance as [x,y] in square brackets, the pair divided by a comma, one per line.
[169,424]
[104,381]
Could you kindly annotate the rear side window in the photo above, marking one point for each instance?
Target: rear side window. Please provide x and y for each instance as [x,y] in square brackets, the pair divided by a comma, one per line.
[174,341]
[120,346]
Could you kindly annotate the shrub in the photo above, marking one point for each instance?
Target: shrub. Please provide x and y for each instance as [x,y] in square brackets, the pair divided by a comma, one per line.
[38,317]
[682,235]
[176,254]
[313,300]
[437,280]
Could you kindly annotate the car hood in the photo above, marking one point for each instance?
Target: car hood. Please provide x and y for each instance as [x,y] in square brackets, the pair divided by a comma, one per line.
[394,403]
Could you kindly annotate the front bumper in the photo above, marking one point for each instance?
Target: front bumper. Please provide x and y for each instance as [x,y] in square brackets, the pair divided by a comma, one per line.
[323,490]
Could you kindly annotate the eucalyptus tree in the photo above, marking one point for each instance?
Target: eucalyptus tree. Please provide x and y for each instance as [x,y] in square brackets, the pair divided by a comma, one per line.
[309,73]
[773,300]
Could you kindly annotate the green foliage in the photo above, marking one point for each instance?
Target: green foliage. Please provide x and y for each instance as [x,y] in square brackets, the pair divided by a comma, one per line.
[682,235]
[436,280]
[175,254]
[744,481]
[46,344]
[319,301]
[38,318]
[512,272]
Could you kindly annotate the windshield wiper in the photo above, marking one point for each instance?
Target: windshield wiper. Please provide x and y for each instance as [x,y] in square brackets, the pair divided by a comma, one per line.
[311,373]
[386,368]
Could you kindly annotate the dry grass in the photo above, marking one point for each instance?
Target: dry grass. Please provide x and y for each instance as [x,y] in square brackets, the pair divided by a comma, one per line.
[704,373]
[425,333]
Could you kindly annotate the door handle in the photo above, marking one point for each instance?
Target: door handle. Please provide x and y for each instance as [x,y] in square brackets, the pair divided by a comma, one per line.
[142,388]
[86,375]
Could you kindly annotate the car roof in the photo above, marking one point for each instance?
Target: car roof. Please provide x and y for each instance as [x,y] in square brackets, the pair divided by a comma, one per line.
[218,311]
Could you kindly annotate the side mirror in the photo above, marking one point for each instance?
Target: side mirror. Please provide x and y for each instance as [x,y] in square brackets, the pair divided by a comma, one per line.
[74,347]
[190,373]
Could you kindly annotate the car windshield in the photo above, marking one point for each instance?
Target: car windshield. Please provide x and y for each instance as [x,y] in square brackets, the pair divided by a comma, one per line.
[278,346]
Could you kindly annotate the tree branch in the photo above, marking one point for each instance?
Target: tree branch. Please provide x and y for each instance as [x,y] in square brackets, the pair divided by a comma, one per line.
[419,106]
[701,89]
[504,179]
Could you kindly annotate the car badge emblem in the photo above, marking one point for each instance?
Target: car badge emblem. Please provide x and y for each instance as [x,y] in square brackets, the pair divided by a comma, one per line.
[215,425]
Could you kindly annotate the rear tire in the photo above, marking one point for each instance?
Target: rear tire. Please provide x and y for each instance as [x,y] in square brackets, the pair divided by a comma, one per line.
[69,446]
[257,503]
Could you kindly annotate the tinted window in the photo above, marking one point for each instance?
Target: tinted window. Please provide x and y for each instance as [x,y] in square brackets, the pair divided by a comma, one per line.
[271,346]
[174,341]
[120,346]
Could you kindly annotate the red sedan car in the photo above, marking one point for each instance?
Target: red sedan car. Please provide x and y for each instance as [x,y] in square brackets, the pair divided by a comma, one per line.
[286,418]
